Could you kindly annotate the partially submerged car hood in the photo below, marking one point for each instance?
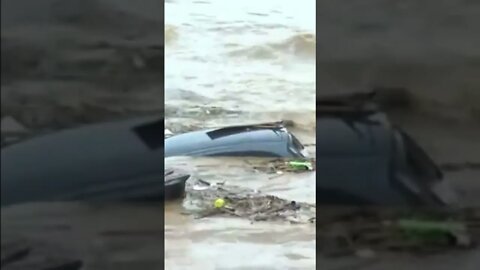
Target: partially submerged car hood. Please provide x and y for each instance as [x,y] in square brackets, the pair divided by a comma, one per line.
[336,137]
[252,140]
[81,162]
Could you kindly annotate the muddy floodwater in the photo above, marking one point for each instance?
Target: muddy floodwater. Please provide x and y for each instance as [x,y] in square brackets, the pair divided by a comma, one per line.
[230,62]
[224,242]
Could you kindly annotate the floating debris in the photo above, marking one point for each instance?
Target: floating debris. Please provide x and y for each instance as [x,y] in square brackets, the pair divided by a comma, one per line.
[343,232]
[279,166]
[297,165]
[204,199]
[434,232]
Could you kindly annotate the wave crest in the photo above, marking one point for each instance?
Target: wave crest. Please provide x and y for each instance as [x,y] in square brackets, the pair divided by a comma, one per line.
[300,46]
[171,34]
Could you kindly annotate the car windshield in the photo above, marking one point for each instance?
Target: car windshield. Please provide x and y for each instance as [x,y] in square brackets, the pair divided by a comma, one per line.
[296,146]
[296,143]
[421,164]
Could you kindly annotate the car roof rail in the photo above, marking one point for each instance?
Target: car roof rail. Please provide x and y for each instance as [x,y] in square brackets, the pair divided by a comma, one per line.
[360,104]
[231,130]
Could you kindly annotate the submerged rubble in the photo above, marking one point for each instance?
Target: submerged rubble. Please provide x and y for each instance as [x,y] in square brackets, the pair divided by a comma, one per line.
[344,231]
[244,203]
[280,166]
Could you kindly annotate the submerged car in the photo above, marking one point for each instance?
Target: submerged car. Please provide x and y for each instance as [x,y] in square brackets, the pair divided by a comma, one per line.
[110,161]
[124,160]
[361,158]
[259,140]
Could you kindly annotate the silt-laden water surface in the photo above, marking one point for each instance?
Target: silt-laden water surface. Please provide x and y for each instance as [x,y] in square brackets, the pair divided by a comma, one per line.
[230,62]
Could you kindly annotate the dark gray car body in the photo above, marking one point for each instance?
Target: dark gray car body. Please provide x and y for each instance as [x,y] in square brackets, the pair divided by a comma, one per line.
[122,160]
[360,160]
[108,161]
[369,163]
[363,159]
[253,140]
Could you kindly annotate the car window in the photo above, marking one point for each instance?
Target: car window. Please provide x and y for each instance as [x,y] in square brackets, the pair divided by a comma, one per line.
[152,134]
[235,130]
[419,161]
[246,154]
[296,143]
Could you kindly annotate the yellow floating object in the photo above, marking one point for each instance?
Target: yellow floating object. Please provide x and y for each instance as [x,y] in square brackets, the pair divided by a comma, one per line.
[219,203]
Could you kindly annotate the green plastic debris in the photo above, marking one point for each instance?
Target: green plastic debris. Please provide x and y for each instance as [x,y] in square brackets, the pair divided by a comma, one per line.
[439,232]
[429,226]
[300,165]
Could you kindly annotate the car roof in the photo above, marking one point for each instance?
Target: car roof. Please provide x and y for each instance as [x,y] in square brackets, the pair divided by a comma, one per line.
[230,136]
[338,137]
[352,125]
[69,159]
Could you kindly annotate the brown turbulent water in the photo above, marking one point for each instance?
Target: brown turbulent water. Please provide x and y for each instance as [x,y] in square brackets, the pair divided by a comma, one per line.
[226,62]
[230,62]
